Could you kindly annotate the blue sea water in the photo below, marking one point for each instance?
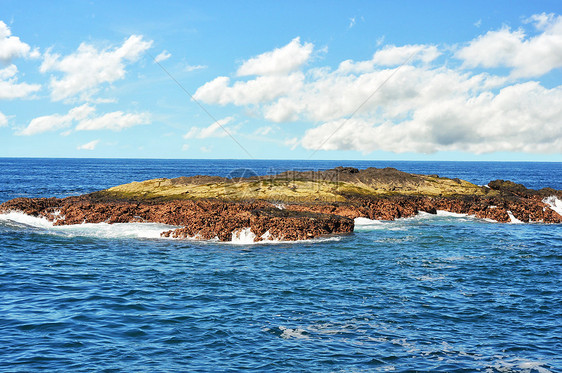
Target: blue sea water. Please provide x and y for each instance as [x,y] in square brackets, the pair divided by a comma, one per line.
[431,293]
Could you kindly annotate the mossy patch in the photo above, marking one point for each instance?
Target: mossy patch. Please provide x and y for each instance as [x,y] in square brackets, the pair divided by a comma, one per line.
[293,190]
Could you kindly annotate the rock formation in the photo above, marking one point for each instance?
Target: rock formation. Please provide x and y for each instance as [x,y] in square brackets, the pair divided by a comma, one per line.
[291,205]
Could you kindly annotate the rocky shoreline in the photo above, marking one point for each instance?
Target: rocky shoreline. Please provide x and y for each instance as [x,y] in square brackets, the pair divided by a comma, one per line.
[321,203]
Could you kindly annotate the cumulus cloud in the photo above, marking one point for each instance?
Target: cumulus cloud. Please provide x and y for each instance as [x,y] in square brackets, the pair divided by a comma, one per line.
[255,91]
[11,46]
[526,56]
[115,121]
[393,55]
[84,117]
[278,61]
[89,146]
[84,71]
[9,86]
[216,129]
[57,121]
[3,120]
[420,106]
[163,56]
[522,117]
[396,92]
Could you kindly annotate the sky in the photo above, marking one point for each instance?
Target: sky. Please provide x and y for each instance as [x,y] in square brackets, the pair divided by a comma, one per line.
[380,80]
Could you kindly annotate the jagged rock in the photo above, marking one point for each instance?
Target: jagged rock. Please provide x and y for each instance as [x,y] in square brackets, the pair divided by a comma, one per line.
[507,186]
[363,195]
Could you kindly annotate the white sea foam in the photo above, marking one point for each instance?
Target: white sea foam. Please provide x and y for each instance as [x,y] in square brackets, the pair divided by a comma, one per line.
[507,364]
[131,230]
[102,230]
[513,219]
[366,222]
[243,236]
[441,214]
[21,219]
[451,214]
[296,333]
[266,236]
[554,203]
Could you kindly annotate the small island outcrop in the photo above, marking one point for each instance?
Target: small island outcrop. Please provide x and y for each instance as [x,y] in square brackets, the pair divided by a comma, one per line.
[291,205]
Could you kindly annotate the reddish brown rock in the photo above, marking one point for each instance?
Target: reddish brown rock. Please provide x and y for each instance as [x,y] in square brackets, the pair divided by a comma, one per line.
[203,219]
[218,219]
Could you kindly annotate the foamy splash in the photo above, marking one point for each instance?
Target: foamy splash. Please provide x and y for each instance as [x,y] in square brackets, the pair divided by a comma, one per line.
[365,224]
[100,230]
[41,225]
[243,236]
[513,219]
[554,203]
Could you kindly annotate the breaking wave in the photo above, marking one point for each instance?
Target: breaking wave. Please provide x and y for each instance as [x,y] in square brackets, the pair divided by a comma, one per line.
[19,220]
[555,203]
[100,230]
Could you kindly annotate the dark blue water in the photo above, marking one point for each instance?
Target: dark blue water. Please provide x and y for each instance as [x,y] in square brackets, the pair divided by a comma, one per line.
[423,294]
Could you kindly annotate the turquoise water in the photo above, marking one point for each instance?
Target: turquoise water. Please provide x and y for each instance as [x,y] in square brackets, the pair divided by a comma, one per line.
[431,293]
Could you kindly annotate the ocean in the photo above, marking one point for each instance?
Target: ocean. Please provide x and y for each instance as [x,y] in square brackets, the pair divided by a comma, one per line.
[445,293]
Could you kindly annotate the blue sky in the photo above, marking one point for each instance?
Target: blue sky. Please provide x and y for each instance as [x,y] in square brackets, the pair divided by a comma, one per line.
[410,80]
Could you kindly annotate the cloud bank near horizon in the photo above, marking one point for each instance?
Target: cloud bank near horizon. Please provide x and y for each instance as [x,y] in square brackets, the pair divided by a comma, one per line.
[481,96]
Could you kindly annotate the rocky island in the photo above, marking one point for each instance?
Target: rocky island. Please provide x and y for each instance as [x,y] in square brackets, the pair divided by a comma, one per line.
[291,205]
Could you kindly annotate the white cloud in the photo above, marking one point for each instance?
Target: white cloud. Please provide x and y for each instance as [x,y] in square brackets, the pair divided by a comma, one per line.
[336,94]
[261,89]
[9,86]
[35,53]
[3,120]
[265,130]
[86,120]
[418,107]
[115,121]
[8,72]
[185,147]
[89,146]
[393,55]
[206,149]
[190,68]
[56,121]
[11,46]
[163,56]
[46,123]
[526,56]
[279,61]
[214,130]
[541,21]
[522,118]
[86,69]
